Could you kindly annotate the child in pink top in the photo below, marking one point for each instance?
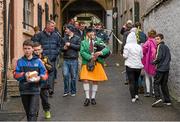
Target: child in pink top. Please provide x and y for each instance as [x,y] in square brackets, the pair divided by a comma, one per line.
[149,54]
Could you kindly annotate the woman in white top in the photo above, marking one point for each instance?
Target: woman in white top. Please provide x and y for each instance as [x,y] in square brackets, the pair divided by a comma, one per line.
[133,55]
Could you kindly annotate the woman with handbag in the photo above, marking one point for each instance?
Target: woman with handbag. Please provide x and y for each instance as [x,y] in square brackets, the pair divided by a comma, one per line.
[92,69]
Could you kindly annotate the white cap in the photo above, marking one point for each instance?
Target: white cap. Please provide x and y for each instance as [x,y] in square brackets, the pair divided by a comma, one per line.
[129,21]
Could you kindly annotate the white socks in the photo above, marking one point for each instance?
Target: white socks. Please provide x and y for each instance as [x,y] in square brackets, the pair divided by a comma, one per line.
[94,90]
[87,90]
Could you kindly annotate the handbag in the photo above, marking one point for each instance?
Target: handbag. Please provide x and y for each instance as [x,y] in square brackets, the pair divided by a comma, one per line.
[91,65]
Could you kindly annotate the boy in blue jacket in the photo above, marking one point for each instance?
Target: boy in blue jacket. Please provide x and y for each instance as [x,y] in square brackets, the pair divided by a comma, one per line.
[30,72]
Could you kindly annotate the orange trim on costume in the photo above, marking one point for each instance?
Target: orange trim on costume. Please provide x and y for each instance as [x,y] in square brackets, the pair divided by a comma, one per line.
[45,77]
[18,75]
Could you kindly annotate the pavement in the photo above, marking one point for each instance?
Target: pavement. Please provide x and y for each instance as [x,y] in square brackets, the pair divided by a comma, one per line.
[113,102]
[12,110]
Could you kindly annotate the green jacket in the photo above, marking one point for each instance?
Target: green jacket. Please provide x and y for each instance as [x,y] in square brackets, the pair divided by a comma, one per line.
[86,54]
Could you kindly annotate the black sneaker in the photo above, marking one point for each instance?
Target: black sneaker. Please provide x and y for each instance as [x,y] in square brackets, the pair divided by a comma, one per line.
[157,103]
[86,102]
[93,101]
[126,83]
[51,92]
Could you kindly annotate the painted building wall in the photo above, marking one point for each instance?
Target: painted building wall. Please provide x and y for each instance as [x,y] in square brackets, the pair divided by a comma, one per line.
[21,34]
[17,33]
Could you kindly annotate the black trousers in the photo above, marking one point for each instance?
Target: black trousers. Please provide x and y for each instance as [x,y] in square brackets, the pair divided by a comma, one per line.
[133,76]
[51,77]
[160,80]
[31,106]
[44,99]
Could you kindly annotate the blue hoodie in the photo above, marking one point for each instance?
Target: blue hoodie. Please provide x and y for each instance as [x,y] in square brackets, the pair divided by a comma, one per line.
[24,65]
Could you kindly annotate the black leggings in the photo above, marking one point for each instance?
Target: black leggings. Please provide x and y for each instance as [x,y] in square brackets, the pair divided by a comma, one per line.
[133,76]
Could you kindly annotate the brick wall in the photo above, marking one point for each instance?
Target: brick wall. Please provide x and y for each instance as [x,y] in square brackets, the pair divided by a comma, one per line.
[166,20]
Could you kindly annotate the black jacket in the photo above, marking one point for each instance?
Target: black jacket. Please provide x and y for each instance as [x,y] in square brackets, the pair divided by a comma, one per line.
[73,51]
[103,36]
[163,58]
[50,44]
[125,35]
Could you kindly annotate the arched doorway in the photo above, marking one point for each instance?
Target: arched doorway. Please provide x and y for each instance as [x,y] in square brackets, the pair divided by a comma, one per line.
[84,8]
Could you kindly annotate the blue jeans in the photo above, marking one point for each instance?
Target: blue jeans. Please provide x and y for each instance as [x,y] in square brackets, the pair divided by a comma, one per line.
[70,74]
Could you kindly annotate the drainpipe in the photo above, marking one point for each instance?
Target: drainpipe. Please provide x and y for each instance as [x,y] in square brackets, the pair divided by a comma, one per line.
[6,50]
[115,27]
[133,18]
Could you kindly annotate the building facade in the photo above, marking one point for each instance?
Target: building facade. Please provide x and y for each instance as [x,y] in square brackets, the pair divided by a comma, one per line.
[23,16]
[1,40]
[163,16]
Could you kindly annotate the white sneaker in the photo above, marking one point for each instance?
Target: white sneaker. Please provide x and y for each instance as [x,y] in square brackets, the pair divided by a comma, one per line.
[137,97]
[64,95]
[73,95]
[157,103]
[133,100]
[168,104]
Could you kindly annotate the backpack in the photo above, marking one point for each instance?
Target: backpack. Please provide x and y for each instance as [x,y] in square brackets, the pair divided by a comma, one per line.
[141,36]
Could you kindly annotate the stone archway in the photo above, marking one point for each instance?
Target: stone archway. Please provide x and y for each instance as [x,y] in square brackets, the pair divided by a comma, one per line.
[85,6]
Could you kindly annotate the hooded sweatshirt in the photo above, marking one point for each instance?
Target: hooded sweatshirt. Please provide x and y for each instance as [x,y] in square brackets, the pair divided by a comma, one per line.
[149,54]
[132,52]
[25,65]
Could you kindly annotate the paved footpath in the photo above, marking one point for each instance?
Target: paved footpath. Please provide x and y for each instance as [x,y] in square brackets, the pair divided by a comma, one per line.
[113,102]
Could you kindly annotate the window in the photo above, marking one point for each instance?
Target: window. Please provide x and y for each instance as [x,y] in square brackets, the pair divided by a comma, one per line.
[40,17]
[28,14]
[136,12]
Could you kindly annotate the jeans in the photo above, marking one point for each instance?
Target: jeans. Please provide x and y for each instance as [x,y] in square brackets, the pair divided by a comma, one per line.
[160,80]
[70,74]
[141,81]
[31,106]
[133,76]
[44,99]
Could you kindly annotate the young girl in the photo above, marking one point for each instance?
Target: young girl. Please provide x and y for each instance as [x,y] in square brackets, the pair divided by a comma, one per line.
[149,52]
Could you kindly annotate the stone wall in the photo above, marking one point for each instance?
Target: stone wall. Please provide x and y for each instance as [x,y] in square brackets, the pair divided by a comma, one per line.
[165,19]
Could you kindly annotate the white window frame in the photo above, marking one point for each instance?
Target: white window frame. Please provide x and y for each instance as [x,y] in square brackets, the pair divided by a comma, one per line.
[28,14]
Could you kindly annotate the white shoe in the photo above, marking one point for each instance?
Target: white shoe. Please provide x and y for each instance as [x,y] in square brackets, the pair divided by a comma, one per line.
[73,95]
[137,97]
[133,100]
[168,104]
[157,103]
[64,95]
